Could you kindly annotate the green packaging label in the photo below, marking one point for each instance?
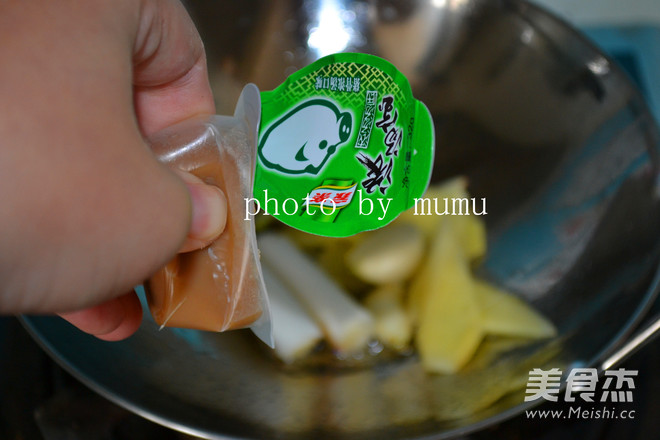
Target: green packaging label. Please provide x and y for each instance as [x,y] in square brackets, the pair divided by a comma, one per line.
[343,146]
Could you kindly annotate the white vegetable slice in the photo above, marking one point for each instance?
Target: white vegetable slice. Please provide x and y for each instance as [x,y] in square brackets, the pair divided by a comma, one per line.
[347,325]
[294,331]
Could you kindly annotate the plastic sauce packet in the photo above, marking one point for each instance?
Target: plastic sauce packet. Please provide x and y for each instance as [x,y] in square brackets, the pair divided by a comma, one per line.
[219,287]
[343,147]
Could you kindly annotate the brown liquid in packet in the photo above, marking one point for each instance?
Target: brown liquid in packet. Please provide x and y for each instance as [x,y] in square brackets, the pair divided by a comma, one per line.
[219,287]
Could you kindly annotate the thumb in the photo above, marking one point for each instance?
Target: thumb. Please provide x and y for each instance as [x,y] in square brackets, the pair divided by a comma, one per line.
[209,212]
[120,317]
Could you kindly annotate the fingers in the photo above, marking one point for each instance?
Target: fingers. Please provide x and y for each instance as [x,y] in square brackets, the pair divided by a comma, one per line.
[209,212]
[89,212]
[170,75]
[120,317]
[112,320]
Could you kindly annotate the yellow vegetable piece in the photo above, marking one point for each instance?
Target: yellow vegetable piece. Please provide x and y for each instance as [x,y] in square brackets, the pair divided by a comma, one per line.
[506,315]
[470,234]
[392,325]
[429,222]
[387,255]
[449,329]
[473,236]
[417,292]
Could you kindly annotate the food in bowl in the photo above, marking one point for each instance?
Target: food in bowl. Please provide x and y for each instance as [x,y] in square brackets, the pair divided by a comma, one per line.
[410,286]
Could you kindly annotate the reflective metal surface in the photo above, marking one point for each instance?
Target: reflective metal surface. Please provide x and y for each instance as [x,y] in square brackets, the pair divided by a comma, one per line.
[545,127]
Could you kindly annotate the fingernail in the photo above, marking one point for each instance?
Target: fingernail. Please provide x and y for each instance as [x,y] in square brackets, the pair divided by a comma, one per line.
[209,213]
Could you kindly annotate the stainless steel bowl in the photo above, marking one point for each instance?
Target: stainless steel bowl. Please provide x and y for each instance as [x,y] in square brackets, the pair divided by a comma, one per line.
[547,128]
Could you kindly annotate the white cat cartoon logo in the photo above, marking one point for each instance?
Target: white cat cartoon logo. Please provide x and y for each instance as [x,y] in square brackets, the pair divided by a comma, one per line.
[303,140]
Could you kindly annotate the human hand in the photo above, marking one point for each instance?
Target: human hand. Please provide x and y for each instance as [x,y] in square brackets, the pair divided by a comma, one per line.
[87,212]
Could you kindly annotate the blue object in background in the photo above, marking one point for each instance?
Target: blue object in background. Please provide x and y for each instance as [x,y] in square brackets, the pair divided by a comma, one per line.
[637,50]
[537,248]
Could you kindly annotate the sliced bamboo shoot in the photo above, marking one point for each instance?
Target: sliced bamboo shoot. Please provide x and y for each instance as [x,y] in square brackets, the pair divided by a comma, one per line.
[347,325]
[449,317]
[506,315]
[294,331]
